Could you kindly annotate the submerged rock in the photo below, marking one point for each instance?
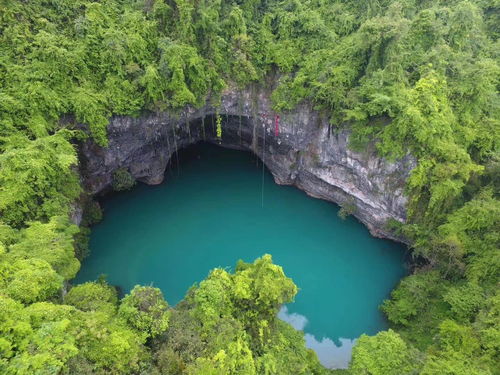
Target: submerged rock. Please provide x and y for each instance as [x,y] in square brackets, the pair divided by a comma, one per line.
[303,151]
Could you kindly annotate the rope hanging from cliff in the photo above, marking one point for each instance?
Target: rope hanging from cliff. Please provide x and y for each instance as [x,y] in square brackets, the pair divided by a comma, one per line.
[168,152]
[263,164]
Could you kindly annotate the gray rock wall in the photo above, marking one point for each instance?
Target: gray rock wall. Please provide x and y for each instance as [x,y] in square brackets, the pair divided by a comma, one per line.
[305,154]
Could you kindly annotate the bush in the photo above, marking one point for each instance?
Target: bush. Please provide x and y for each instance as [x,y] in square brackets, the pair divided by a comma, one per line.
[122,180]
[347,209]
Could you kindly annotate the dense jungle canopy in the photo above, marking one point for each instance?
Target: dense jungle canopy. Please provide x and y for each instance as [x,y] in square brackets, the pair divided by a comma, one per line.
[404,76]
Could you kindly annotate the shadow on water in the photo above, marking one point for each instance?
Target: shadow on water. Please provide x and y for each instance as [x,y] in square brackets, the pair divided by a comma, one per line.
[209,214]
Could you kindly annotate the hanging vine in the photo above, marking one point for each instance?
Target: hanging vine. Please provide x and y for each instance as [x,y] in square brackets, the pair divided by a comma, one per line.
[218,121]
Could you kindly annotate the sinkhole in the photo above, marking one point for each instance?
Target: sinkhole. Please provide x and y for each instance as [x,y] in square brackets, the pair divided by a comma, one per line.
[217,206]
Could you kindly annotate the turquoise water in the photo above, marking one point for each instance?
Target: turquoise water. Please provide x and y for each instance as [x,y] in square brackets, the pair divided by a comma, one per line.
[209,214]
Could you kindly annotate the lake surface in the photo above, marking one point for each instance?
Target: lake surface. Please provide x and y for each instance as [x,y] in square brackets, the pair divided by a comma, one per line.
[210,213]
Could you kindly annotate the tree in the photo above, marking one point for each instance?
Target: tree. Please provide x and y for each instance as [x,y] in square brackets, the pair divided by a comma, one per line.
[15,330]
[465,301]
[413,79]
[383,354]
[52,242]
[146,310]
[411,296]
[93,296]
[37,181]
[29,280]
[458,352]
[122,180]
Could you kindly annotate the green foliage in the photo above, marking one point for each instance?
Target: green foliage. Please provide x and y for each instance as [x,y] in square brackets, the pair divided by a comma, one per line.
[92,297]
[183,342]
[50,348]
[110,345]
[218,121]
[92,213]
[383,354]
[122,180]
[242,308]
[29,280]
[411,297]
[488,330]
[471,232]
[411,78]
[36,180]
[52,242]
[253,295]
[146,310]
[89,108]
[49,338]
[346,210]
[458,355]
[41,342]
[465,301]
[13,330]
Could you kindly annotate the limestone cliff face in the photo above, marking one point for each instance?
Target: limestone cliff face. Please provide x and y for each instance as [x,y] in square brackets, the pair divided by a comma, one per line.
[305,154]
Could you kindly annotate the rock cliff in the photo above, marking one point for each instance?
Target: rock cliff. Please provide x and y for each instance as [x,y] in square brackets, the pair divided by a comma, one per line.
[305,153]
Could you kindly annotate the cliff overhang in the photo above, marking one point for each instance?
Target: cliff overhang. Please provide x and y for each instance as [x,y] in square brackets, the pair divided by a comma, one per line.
[303,151]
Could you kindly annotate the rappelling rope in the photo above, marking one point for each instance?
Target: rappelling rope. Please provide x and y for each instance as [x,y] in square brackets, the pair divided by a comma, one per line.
[168,152]
[263,164]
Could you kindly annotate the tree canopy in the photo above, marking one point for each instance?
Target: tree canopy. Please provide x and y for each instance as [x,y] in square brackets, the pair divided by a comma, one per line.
[407,77]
